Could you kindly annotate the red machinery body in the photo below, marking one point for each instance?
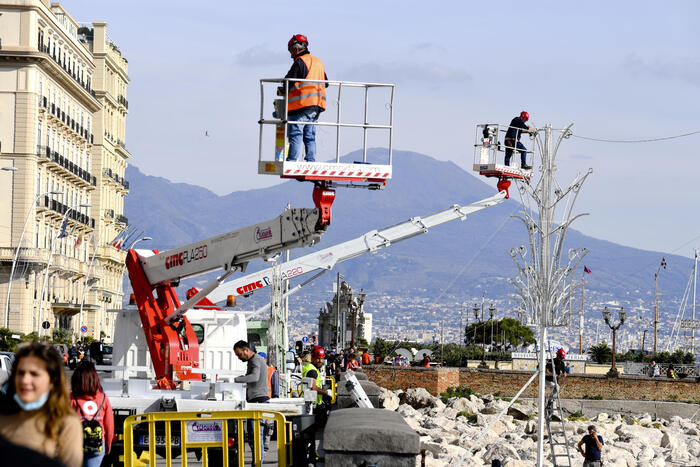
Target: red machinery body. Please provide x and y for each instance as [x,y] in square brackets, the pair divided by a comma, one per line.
[173,347]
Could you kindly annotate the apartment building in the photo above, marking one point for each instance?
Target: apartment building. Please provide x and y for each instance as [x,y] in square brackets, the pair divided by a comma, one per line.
[63,155]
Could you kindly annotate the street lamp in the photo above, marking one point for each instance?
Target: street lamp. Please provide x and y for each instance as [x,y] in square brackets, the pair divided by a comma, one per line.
[613,373]
[48,266]
[9,169]
[656,298]
[492,313]
[19,245]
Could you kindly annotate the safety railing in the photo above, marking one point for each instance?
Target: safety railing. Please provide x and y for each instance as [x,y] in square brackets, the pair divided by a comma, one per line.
[202,430]
[281,117]
[489,151]
[334,388]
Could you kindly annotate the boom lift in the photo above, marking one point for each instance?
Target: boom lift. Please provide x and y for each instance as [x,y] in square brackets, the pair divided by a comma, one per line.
[172,342]
[327,258]
[325,175]
[487,157]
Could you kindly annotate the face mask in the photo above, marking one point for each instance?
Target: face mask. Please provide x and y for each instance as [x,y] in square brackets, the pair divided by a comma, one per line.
[29,406]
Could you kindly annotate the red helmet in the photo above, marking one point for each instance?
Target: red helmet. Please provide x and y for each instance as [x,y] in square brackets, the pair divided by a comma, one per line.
[525,116]
[318,352]
[561,353]
[298,39]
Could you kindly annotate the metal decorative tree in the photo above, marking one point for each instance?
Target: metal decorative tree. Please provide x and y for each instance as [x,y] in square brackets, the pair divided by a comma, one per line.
[545,285]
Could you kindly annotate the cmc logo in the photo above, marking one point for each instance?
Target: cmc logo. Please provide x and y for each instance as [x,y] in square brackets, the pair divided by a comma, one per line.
[173,261]
[250,287]
[262,234]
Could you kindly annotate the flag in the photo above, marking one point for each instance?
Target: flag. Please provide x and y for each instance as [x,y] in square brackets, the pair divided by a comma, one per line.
[63,229]
[125,240]
[663,263]
[79,240]
[586,270]
[134,241]
[117,240]
[72,230]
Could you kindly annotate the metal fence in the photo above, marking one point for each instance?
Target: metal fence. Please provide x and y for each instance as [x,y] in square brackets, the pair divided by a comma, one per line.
[643,369]
[203,431]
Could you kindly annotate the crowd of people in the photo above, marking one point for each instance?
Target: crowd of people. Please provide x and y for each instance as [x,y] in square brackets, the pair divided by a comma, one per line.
[44,421]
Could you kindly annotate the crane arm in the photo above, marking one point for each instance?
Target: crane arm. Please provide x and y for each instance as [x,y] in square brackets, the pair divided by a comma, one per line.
[367,243]
[172,342]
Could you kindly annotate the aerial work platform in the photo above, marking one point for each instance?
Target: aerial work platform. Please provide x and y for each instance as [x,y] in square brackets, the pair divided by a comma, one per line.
[372,174]
[489,156]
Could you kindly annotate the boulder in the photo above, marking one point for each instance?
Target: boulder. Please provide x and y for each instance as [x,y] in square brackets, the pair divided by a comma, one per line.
[419,398]
[601,417]
[494,407]
[499,451]
[461,404]
[388,399]
[668,441]
[517,413]
[406,411]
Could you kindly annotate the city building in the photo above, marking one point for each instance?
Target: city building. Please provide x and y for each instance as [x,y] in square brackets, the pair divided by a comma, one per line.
[63,114]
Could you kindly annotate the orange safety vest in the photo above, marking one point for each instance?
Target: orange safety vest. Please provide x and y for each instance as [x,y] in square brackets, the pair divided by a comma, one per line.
[270,370]
[306,94]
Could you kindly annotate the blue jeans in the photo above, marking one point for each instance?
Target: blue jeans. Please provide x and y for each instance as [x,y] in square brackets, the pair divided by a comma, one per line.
[296,133]
[509,144]
[94,459]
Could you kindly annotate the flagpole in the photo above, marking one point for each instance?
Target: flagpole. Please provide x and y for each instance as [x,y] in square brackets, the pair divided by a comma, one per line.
[580,322]
[48,265]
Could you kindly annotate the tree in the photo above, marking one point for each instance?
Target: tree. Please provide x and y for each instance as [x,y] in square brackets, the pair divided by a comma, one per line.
[63,336]
[601,353]
[515,333]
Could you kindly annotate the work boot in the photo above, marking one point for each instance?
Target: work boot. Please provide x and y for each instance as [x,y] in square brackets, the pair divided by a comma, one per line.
[526,167]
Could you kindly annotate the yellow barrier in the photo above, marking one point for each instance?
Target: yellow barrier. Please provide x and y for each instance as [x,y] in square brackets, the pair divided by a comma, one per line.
[334,388]
[203,435]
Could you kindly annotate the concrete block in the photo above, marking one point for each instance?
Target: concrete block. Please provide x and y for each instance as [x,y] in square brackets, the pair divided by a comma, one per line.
[373,392]
[359,437]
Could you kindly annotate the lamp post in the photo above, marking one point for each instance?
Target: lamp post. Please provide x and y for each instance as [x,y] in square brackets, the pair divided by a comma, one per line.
[19,245]
[613,373]
[48,266]
[656,299]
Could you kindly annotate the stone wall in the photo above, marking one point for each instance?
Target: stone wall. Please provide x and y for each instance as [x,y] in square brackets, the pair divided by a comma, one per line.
[507,383]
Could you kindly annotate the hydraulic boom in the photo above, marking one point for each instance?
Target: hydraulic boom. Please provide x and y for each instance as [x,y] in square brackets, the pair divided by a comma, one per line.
[172,342]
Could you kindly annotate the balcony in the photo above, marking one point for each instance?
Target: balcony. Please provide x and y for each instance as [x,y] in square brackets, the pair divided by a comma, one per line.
[61,209]
[53,156]
[69,70]
[122,100]
[109,213]
[26,255]
[123,219]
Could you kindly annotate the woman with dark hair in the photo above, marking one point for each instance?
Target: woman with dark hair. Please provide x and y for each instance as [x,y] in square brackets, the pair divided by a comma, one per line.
[35,411]
[91,403]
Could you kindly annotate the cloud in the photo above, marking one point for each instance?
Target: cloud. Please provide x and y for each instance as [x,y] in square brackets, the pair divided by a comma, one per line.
[687,70]
[261,55]
[425,73]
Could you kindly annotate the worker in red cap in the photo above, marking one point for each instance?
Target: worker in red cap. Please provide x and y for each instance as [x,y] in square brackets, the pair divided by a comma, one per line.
[512,139]
[556,367]
[306,99]
[313,370]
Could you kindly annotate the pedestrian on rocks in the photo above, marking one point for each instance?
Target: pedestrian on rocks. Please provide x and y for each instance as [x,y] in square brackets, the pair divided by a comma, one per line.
[593,443]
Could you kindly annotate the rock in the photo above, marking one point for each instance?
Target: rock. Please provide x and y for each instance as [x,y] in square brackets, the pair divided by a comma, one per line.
[694,448]
[692,432]
[601,417]
[531,427]
[461,404]
[450,413]
[629,419]
[419,398]
[486,398]
[646,454]
[494,407]
[478,403]
[406,411]
[645,420]
[518,414]
[501,452]
[668,441]
[388,399]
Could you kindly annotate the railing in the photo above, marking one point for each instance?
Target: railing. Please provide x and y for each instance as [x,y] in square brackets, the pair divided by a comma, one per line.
[123,219]
[54,156]
[202,430]
[122,100]
[61,208]
[109,213]
[682,370]
[26,254]
[70,71]
[280,116]
[76,127]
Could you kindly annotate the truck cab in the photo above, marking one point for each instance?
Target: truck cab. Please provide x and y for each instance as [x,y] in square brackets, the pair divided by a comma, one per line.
[216,332]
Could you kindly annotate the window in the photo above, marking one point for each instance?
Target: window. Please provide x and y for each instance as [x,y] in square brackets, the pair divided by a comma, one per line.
[198,331]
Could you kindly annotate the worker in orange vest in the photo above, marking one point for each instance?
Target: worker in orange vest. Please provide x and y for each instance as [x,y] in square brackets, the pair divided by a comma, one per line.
[273,390]
[306,100]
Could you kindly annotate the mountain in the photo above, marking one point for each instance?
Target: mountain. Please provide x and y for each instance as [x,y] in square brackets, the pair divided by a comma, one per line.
[454,261]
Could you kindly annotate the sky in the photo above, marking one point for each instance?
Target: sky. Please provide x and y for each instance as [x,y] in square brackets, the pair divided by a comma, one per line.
[626,70]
